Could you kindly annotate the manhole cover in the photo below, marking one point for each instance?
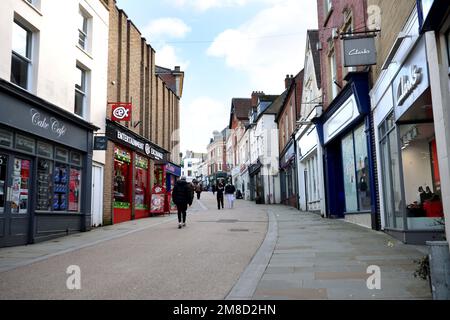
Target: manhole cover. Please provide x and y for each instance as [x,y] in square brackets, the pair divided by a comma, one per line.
[239,230]
[227,221]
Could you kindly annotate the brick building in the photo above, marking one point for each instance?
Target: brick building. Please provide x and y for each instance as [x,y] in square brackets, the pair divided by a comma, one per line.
[287,119]
[346,127]
[144,151]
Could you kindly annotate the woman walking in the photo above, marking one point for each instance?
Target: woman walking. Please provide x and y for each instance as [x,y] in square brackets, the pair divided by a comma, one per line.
[182,197]
[220,190]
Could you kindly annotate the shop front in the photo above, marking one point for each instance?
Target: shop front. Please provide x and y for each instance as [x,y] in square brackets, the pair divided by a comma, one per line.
[410,180]
[346,136]
[45,169]
[256,183]
[166,176]
[288,176]
[130,166]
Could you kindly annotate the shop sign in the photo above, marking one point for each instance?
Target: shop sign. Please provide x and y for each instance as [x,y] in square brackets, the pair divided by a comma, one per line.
[141,145]
[408,83]
[121,112]
[101,143]
[173,169]
[359,52]
[412,80]
[52,124]
[340,120]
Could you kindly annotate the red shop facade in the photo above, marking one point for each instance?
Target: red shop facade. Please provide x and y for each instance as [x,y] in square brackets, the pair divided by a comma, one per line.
[131,167]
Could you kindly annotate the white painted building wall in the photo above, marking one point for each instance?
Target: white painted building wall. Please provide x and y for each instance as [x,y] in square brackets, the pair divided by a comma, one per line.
[55,54]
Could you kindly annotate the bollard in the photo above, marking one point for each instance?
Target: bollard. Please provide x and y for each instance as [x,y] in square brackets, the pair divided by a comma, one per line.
[439,269]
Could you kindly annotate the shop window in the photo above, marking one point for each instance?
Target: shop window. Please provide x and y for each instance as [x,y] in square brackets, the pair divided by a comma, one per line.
[60,183]
[25,144]
[122,163]
[44,185]
[20,186]
[424,208]
[74,190]
[21,55]
[61,155]
[45,150]
[141,183]
[3,168]
[356,171]
[75,158]
[6,139]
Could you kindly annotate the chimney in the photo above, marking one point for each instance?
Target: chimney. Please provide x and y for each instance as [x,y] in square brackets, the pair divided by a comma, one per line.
[177,69]
[255,97]
[288,81]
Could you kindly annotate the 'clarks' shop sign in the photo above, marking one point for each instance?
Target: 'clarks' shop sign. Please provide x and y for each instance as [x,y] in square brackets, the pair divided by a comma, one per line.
[118,135]
[359,52]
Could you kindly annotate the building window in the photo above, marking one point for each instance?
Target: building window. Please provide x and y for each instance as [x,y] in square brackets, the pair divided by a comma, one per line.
[328,5]
[21,55]
[356,171]
[82,30]
[333,73]
[80,92]
[122,176]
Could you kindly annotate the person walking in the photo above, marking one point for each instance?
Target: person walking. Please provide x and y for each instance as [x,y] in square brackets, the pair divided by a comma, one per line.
[198,190]
[182,197]
[229,193]
[220,190]
[213,188]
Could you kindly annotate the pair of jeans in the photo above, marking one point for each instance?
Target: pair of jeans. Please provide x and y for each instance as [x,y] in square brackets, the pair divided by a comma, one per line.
[182,209]
[219,201]
[230,200]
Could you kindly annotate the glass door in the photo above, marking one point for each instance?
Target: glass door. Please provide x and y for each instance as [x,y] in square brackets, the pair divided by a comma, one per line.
[15,184]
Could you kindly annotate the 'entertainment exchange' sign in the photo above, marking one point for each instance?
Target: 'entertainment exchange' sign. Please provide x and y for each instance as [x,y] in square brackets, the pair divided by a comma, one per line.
[135,143]
[360,52]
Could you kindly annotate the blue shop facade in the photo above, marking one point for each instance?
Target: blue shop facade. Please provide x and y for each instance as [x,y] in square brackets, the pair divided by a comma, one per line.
[345,132]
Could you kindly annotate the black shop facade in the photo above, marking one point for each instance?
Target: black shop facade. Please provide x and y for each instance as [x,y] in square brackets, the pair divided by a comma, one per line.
[45,169]
[131,161]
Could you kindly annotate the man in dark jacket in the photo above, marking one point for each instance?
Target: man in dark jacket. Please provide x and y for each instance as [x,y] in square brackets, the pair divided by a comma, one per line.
[220,190]
[182,197]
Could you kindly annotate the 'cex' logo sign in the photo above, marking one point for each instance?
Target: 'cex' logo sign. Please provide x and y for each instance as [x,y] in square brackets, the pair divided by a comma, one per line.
[121,112]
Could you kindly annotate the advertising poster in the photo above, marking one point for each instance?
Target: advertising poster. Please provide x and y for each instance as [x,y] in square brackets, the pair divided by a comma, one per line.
[157,205]
[74,190]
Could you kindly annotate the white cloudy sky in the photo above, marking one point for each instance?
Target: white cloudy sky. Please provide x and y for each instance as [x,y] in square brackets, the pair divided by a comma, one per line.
[227,48]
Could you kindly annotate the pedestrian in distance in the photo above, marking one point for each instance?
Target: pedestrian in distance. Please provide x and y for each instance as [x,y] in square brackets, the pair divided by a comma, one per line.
[198,190]
[213,188]
[220,190]
[229,193]
[182,197]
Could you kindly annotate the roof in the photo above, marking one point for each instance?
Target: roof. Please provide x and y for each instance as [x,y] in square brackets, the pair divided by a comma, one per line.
[240,107]
[313,38]
[297,78]
[276,105]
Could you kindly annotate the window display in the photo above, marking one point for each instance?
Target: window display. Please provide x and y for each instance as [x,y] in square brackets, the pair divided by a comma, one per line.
[60,180]
[122,163]
[141,183]
[21,180]
[355,160]
[74,190]
[3,168]
[44,185]
[421,177]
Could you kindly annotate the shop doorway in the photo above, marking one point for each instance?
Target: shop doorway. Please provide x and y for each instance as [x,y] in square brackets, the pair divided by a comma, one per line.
[97,196]
[15,184]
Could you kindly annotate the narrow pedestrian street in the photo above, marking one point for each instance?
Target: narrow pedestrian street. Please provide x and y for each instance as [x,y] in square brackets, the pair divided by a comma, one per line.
[250,252]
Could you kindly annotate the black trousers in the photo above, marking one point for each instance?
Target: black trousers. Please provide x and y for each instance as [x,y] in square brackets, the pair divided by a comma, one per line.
[198,195]
[182,209]
[219,201]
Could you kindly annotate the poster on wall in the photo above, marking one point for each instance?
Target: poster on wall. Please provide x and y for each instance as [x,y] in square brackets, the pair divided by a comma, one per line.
[157,205]
[74,190]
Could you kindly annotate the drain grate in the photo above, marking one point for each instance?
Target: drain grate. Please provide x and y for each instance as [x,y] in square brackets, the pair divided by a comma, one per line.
[227,221]
[239,230]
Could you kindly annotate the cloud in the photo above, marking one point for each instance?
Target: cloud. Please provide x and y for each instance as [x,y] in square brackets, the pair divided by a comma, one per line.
[204,5]
[166,27]
[198,121]
[167,56]
[270,45]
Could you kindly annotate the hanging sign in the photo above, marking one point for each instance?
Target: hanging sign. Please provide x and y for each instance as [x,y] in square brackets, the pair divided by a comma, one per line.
[100,143]
[121,112]
[359,52]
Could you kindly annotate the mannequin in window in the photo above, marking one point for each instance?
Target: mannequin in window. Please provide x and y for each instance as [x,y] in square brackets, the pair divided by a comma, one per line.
[421,196]
[429,193]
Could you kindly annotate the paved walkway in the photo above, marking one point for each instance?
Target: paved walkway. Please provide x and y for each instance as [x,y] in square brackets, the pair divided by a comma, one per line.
[253,252]
[315,258]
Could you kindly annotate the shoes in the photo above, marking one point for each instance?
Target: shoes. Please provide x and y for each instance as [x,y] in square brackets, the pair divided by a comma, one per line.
[184,224]
[179,226]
